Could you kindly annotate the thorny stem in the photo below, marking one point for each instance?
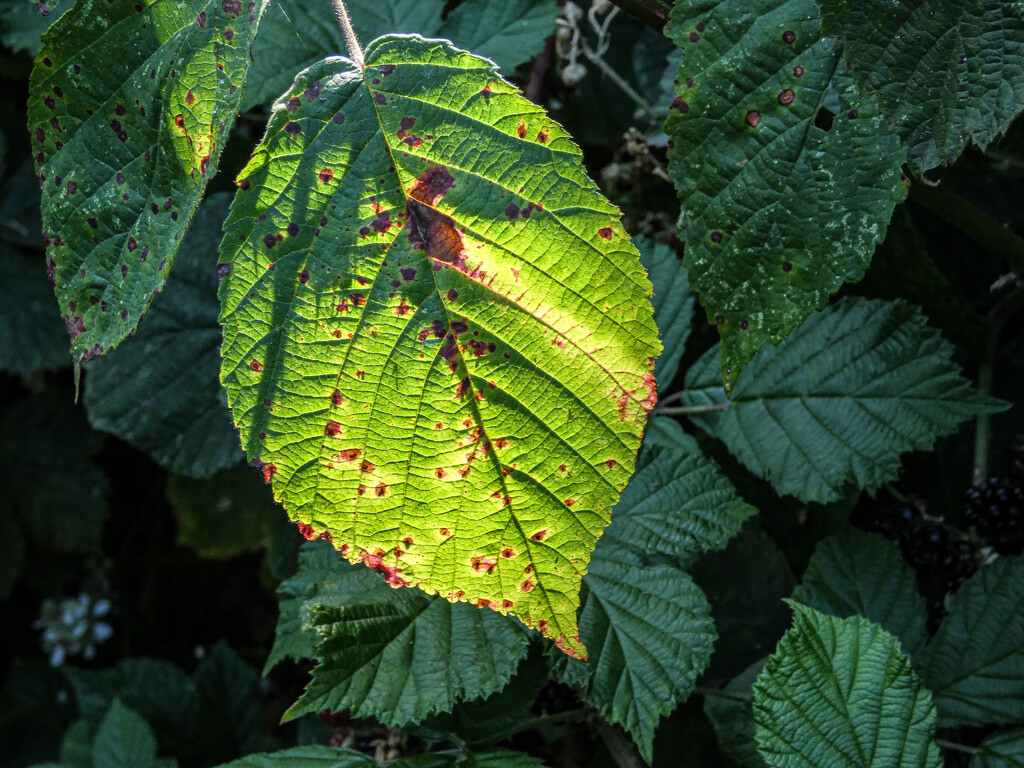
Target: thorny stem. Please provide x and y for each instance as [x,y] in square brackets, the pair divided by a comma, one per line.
[989,233]
[355,51]
[685,409]
[718,693]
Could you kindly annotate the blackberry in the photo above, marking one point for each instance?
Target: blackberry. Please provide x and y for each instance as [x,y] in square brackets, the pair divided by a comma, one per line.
[996,510]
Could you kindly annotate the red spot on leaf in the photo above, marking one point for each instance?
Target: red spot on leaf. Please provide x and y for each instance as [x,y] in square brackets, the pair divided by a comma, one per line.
[483,564]
[542,137]
[307,530]
[332,428]
[508,552]
[526,586]
[605,232]
[256,365]
[570,502]
[445,532]
[337,398]
[539,535]
[440,473]
[325,175]
[381,489]
[610,463]
[368,466]
[521,131]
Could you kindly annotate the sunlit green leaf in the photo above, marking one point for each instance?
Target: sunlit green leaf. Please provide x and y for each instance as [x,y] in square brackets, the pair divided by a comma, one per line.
[438,338]
[130,105]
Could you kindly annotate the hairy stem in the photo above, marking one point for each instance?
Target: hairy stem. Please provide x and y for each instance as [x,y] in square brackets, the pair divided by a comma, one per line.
[989,233]
[653,13]
[355,51]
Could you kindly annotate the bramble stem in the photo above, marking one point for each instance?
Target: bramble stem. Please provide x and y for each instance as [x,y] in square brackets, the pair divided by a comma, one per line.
[718,693]
[568,716]
[684,409]
[986,231]
[355,51]
[956,746]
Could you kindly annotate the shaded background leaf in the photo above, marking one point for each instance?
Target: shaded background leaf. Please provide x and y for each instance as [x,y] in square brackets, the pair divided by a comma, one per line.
[975,663]
[838,401]
[944,73]
[160,390]
[398,655]
[856,573]
[297,33]
[786,175]
[846,678]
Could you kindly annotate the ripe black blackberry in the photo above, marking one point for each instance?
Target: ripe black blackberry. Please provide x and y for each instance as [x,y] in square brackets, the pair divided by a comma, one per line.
[996,510]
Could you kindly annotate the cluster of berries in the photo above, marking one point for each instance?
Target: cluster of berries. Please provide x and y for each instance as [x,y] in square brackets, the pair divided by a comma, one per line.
[996,510]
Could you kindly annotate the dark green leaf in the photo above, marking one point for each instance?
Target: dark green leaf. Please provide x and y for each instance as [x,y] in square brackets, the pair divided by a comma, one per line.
[63,506]
[123,740]
[229,514]
[854,573]
[777,212]
[129,108]
[1001,749]
[838,693]
[297,33]
[445,205]
[37,708]
[484,722]
[733,718]
[396,654]
[76,747]
[21,23]
[673,305]
[649,633]
[975,663]
[31,333]
[944,72]
[840,399]
[229,705]
[159,691]
[677,504]
[159,391]
[745,584]
[328,757]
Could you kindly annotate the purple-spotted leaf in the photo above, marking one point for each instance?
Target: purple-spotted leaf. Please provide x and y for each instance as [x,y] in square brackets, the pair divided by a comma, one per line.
[786,175]
[438,338]
[130,105]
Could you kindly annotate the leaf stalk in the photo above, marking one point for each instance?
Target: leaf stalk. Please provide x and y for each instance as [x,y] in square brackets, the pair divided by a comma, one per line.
[355,51]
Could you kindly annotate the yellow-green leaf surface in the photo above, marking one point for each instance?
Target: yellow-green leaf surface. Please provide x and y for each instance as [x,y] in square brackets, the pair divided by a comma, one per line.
[130,105]
[438,338]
